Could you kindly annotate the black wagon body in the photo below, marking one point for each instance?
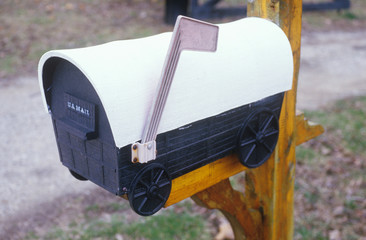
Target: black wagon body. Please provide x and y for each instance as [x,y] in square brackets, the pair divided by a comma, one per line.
[87,148]
[86,138]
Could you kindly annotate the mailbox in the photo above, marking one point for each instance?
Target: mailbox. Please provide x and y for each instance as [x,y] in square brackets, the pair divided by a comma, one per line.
[225,99]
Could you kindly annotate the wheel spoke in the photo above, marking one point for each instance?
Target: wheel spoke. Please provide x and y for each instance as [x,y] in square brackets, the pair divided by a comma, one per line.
[144,183]
[245,143]
[160,197]
[159,176]
[267,147]
[142,204]
[140,194]
[260,120]
[252,149]
[163,184]
[267,123]
[157,208]
[252,130]
[271,133]
[152,175]
[250,153]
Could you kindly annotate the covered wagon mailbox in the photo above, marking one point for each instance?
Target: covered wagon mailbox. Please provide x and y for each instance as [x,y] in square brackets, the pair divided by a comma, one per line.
[117,126]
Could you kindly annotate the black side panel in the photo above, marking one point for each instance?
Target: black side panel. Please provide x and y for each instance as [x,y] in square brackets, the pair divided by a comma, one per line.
[86,144]
[83,133]
[192,146]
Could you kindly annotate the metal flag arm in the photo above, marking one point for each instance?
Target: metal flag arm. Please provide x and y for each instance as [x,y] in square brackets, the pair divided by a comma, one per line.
[188,34]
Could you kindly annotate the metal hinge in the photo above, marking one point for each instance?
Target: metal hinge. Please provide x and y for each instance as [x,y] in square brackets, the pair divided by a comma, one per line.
[143,152]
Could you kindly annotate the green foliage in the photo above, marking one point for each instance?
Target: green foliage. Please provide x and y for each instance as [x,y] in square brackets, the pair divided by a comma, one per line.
[6,66]
[312,197]
[305,154]
[350,204]
[93,208]
[347,121]
[309,234]
[166,225]
[349,15]
[169,226]
[116,206]
[31,235]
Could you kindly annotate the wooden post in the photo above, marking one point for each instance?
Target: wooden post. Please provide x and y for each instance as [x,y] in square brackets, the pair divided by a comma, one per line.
[265,209]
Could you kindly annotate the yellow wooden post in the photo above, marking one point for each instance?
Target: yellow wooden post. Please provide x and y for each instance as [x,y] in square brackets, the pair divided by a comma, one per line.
[265,211]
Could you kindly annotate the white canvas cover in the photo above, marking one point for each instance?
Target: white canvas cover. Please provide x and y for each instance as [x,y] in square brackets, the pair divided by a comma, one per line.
[253,61]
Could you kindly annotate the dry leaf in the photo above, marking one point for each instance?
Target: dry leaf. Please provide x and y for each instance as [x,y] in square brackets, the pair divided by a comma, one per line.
[118,237]
[334,235]
[338,211]
[225,232]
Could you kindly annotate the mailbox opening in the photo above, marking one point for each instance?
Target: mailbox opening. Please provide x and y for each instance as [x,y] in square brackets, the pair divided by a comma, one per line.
[82,130]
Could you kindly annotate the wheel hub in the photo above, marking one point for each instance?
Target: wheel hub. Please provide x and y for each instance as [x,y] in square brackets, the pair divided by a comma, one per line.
[260,137]
[152,191]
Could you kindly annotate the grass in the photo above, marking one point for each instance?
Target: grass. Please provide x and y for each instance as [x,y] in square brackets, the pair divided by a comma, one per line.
[347,123]
[7,65]
[169,226]
[330,188]
[309,234]
[305,155]
[100,223]
[30,28]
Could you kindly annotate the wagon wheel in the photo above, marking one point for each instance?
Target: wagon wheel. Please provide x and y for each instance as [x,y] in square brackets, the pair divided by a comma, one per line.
[77,176]
[150,189]
[258,138]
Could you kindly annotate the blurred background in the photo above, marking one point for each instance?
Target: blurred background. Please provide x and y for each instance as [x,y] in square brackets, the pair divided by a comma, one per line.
[39,199]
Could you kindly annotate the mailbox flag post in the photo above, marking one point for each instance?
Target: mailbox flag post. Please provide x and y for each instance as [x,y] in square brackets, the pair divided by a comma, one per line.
[188,34]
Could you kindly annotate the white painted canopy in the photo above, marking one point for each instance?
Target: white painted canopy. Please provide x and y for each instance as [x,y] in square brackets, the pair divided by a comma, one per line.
[253,61]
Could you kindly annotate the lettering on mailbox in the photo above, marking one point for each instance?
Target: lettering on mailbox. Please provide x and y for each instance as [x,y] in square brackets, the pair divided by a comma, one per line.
[80,111]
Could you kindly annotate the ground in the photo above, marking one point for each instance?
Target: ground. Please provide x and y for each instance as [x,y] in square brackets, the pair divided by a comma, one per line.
[37,193]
